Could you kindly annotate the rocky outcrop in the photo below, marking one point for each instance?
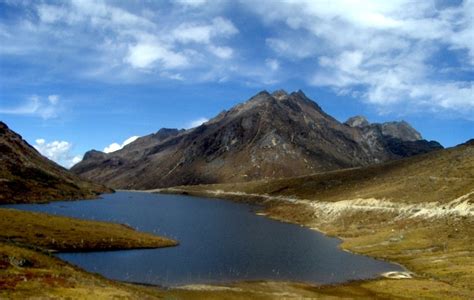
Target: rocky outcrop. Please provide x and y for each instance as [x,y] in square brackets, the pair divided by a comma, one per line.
[268,136]
[398,138]
[357,121]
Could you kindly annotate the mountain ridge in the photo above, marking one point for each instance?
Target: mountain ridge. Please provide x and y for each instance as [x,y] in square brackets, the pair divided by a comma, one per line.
[270,135]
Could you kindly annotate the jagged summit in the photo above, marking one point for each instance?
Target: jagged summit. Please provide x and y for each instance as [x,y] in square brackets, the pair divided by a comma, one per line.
[268,136]
[280,94]
[357,121]
[400,130]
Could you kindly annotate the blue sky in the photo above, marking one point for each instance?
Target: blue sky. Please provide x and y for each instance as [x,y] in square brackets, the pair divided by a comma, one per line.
[81,75]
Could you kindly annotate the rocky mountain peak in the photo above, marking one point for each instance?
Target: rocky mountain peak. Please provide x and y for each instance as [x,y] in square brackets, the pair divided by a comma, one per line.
[268,136]
[401,130]
[357,121]
[280,94]
[94,154]
[164,133]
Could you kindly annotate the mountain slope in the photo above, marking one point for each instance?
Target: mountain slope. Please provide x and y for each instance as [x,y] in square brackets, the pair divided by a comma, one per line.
[440,176]
[27,176]
[268,136]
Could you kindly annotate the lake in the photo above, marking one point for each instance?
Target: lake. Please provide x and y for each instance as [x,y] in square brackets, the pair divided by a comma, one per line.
[220,241]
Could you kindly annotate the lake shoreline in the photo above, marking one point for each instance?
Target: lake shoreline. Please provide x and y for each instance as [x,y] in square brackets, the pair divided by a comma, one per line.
[356,238]
[261,202]
[61,234]
[420,285]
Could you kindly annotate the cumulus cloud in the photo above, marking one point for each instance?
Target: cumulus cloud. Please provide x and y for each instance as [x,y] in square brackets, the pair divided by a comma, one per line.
[45,108]
[116,146]
[197,122]
[58,151]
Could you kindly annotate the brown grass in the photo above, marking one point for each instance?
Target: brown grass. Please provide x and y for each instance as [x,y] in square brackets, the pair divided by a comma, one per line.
[437,176]
[27,270]
[26,274]
[439,250]
[69,234]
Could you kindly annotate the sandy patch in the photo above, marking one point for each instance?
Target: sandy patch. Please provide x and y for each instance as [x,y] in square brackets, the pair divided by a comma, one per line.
[204,287]
[462,206]
[397,275]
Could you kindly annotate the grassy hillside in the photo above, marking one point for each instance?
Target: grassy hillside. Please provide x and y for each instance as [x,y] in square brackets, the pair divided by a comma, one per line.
[440,176]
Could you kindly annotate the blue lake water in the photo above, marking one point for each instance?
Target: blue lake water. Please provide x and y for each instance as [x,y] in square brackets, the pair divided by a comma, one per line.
[220,241]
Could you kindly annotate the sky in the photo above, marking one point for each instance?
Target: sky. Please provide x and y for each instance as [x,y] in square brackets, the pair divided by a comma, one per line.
[80,75]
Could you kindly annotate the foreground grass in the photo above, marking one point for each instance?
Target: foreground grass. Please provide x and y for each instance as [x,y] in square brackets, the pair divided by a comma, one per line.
[34,273]
[28,270]
[27,273]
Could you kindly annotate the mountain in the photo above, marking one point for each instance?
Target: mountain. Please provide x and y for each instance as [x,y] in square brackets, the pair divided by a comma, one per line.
[27,176]
[268,136]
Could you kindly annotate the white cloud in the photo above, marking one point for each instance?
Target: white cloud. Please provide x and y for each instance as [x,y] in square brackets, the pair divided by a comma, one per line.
[112,148]
[273,64]
[186,33]
[76,159]
[285,47]
[192,3]
[222,52]
[143,41]
[384,51]
[115,146]
[197,122]
[388,53]
[36,106]
[53,99]
[57,151]
[147,55]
